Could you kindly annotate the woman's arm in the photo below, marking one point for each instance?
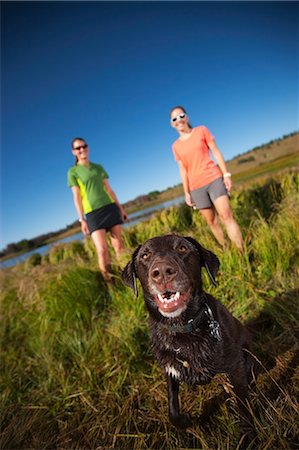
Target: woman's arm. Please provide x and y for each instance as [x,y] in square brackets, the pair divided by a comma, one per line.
[79,207]
[184,178]
[221,163]
[113,196]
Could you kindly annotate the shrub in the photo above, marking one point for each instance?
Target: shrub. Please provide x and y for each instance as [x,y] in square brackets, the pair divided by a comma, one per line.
[89,248]
[56,253]
[72,250]
[257,201]
[33,260]
[245,160]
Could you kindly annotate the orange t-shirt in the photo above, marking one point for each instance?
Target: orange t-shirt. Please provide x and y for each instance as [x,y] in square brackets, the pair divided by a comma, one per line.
[194,153]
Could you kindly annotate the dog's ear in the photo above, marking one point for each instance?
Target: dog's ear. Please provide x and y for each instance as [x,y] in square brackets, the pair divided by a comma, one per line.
[210,260]
[129,275]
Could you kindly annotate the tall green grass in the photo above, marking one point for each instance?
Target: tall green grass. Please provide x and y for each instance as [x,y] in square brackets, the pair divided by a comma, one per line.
[76,367]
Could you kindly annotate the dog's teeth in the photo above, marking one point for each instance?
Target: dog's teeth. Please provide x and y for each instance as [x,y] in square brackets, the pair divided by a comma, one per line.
[161,298]
[168,299]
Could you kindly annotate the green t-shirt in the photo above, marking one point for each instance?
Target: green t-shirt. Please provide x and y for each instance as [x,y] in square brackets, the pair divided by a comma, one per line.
[90,181]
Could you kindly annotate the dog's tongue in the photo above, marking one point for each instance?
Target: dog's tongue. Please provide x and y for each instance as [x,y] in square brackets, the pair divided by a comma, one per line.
[170,301]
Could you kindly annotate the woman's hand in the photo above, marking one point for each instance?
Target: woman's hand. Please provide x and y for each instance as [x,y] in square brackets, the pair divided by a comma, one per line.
[188,199]
[123,213]
[84,227]
[228,183]
[220,161]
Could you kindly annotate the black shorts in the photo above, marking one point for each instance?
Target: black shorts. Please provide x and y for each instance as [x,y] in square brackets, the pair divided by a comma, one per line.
[205,196]
[104,218]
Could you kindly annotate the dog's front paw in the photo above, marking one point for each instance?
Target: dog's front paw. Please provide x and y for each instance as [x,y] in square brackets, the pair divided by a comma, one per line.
[181,421]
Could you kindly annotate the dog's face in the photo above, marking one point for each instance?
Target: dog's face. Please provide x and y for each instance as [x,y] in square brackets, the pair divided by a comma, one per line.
[168,268]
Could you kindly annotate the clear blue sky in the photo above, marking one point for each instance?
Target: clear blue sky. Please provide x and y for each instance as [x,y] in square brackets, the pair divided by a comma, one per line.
[111,71]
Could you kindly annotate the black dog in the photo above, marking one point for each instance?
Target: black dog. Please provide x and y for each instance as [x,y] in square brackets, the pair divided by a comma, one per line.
[193,335]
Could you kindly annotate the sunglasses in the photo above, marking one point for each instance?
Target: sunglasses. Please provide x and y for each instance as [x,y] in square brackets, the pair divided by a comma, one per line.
[80,146]
[179,116]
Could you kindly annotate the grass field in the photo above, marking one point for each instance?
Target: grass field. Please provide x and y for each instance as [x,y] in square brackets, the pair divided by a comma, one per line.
[76,367]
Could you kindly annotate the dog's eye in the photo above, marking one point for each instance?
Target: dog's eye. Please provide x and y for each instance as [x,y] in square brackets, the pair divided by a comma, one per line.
[145,255]
[182,248]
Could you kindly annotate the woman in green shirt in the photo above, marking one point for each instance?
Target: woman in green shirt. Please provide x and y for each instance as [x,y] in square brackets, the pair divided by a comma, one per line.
[97,206]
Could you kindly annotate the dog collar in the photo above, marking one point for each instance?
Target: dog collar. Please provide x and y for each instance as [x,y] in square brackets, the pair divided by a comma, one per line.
[204,314]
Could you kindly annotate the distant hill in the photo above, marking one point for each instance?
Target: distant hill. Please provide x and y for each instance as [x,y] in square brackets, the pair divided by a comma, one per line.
[285,148]
[263,160]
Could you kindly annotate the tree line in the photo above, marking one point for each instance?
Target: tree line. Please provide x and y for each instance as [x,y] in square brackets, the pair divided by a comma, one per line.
[25,245]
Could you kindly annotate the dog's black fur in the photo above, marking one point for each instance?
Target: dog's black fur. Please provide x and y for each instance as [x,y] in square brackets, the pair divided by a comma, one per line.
[215,342]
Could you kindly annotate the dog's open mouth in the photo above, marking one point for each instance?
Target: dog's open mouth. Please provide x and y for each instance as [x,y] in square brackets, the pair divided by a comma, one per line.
[170,301]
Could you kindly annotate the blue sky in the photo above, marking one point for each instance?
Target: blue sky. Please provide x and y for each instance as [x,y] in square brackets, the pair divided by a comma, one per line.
[111,71]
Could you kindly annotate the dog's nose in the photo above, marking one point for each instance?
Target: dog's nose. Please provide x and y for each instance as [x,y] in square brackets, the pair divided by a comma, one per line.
[162,272]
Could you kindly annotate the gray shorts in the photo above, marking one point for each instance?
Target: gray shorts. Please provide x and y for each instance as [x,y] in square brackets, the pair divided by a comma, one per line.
[205,196]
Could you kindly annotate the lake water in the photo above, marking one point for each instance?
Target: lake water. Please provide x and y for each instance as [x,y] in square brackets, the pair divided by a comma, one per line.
[134,218]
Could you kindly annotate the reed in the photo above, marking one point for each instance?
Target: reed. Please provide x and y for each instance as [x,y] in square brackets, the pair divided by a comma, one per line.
[77,370]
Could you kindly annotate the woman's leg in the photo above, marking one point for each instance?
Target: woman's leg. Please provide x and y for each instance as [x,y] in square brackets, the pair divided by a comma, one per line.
[116,240]
[211,218]
[99,238]
[226,216]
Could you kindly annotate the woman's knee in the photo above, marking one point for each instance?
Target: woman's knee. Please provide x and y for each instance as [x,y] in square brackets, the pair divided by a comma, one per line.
[117,244]
[116,238]
[101,247]
[102,250]
[223,209]
[226,216]
[211,219]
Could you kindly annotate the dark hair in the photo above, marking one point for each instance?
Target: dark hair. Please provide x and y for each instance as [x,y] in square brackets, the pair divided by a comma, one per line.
[184,111]
[73,141]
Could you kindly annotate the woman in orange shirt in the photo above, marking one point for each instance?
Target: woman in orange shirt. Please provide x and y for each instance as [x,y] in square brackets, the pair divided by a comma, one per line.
[206,185]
